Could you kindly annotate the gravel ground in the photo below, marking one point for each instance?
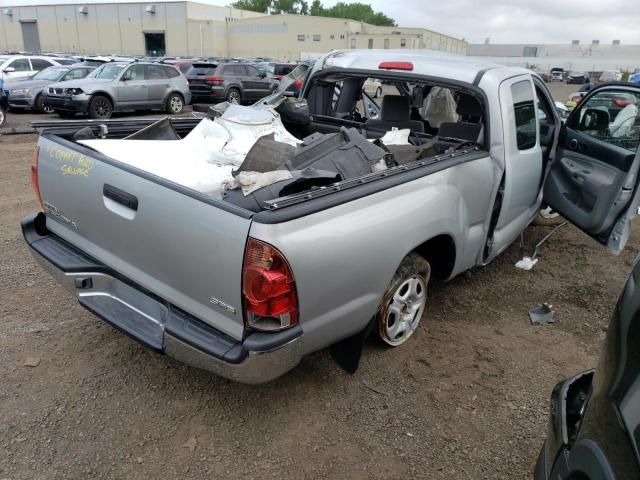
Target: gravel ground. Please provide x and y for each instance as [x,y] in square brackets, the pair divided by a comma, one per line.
[465,398]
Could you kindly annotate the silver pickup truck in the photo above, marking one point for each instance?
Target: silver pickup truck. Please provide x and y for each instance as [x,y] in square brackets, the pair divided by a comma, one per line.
[245,283]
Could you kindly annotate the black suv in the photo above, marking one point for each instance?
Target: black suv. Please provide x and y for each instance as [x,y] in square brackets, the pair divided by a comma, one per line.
[234,82]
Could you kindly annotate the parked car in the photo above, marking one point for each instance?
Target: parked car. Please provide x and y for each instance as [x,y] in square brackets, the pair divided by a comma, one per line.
[233,82]
[373,87]
[245,282]
[543,74]
[27,93]
[556,74]
[118,87]
[275,69]
[182,64]
[635,78]
[20,66]
[610,76]
[594,420]
[577,77]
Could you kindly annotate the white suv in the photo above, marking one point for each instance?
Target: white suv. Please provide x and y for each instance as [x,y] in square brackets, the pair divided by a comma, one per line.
[16,66]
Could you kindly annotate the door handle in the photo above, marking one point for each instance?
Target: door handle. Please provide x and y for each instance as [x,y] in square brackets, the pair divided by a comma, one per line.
[143,86]
[573,144]
[120,196]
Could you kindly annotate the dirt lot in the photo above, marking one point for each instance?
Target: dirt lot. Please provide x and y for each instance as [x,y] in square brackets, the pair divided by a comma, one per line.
[466,398]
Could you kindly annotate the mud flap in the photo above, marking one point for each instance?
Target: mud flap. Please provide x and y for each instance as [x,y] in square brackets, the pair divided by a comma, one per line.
[346,353]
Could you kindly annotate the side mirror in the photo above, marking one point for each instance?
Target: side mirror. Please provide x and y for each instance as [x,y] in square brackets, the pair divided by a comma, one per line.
[9,70]
[594,119]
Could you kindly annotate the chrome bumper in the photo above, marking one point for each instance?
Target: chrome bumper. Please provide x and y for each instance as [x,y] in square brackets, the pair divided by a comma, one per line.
[145,319]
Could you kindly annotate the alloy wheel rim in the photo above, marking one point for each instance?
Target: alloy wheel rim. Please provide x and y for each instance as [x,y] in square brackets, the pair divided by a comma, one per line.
[102,108]
[404,310]
[176,104]
[234,97]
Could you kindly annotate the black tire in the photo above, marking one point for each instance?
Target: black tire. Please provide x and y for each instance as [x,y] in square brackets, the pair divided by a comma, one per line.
[234,96]
[100,107]
[175,104]
[40,106]
[63,114]
[414,270]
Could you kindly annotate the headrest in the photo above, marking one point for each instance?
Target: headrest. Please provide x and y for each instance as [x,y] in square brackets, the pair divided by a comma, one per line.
[417,96]
[468,106]
[395,108]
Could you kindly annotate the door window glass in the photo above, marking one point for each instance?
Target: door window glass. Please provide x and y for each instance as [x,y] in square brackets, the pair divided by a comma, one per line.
[40,64]
[20,65]
[253,71]
[154,72]
[525,114]
[136,72]
[611,116]
[173,73]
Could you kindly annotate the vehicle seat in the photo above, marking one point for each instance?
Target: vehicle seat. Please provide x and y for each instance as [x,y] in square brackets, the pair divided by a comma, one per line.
[470,127]
[395,112]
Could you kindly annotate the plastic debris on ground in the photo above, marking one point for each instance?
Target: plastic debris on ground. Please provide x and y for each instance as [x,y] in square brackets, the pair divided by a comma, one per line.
[526,263]
[542,314]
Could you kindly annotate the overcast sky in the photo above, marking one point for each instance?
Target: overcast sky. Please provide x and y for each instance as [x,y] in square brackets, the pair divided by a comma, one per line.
[520,21]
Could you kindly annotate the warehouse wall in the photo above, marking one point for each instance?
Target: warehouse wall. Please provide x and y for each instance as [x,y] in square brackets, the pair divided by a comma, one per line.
[118,28]
[285,37]
[198,29]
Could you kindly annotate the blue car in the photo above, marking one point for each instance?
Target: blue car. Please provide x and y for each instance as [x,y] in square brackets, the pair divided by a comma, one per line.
[635,78]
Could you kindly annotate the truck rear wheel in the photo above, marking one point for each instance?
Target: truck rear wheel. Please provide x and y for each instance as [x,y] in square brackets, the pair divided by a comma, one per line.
[404,302]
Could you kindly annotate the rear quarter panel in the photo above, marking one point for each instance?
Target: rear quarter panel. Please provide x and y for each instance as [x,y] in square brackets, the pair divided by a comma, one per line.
[343,258]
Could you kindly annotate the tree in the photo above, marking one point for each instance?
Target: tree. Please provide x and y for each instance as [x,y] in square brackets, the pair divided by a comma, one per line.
[253,5]
[359,12]
[317,9]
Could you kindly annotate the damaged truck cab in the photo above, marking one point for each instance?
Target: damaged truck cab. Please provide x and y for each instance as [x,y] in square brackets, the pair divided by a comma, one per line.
[264,233]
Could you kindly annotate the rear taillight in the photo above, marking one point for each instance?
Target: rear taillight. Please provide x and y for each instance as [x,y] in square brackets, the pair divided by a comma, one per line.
[621,102]
[213,80]
[297,83]
[34,177]
[268,289]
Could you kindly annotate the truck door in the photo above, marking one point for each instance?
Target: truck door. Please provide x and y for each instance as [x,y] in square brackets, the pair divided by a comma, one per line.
[523,162]
[593,179]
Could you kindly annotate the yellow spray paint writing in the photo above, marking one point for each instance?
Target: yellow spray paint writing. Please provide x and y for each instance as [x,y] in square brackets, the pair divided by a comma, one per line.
[75,163]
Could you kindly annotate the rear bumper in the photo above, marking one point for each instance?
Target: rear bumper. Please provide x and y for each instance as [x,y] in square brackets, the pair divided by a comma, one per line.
[66,104]
[259,358]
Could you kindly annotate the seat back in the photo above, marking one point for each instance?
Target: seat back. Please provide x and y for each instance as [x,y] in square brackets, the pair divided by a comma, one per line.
[395,112]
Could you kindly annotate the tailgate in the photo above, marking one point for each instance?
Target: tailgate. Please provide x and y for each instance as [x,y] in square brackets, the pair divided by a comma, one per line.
[180,245]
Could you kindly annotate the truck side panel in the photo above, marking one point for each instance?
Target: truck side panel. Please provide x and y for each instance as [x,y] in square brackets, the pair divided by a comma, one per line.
[344,257]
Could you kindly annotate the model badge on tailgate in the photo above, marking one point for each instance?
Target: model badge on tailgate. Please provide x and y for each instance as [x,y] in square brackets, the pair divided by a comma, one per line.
[54,212]
[222,305]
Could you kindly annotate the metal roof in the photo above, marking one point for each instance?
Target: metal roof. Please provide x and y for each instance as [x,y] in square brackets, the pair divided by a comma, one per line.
[33,3]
